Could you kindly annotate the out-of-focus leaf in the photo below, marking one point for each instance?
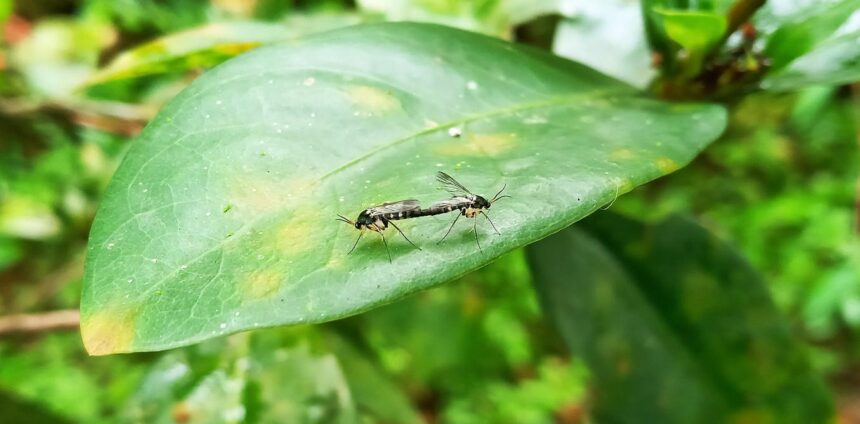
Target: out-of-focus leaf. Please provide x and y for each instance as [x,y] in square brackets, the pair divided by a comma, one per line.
[694,31]
[207,46]
[267,378]
[835,61]
[495,17]
[675,326]
[60,54]
[10,252]
[792,28]
[225,204]
[25,218]
[371,390]
[5,10]
[608,36]
[19,411]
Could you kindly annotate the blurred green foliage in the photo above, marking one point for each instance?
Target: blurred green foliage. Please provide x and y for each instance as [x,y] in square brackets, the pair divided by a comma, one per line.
[781,186]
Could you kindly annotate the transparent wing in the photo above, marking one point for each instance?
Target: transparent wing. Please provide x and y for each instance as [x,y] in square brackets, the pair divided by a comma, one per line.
[454,202]
[395,207]
[451,185]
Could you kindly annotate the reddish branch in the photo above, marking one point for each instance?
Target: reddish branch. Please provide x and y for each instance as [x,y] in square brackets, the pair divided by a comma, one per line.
[36,323]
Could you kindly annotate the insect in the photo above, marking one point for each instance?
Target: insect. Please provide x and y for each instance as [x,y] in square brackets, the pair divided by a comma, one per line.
[377,218]
[464,201]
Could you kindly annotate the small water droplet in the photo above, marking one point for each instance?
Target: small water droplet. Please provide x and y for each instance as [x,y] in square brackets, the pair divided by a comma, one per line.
[309,81]
[271,81]
[145,190]
[340,199]
[110,246]
[154,260]
[208,116]
[223,325]
[208,213]
[131,280]
[367,181]
[455,131]
[279,130]
[313,115]
[472,85]
[183,267]
[236,314]
[260,257]
[440,165]
[218,102]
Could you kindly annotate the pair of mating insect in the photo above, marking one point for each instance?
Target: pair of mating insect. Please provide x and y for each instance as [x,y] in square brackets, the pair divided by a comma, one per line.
[464,202]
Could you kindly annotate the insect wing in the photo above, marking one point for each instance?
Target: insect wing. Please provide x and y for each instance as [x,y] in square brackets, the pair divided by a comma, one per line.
[453,203]
[451,185]
[395,207]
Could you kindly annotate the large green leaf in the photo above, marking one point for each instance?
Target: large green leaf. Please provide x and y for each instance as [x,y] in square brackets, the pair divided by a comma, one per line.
[221,217]
[675,326]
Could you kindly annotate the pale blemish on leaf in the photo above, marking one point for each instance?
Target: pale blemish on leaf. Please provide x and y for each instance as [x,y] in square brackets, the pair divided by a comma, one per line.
[108,331]
[479,145]
[296,235]
[252,196]
[622,153]
[372,99]
[666,165]
[260,284]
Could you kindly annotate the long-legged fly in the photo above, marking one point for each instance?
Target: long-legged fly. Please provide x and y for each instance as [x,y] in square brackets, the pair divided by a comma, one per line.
[377,218]
[464,201]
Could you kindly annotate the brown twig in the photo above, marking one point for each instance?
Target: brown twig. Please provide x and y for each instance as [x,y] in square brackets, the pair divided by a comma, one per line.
[68,319]
[741,12]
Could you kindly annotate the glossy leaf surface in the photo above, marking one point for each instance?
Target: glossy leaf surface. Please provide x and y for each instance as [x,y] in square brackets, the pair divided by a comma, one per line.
[221,217]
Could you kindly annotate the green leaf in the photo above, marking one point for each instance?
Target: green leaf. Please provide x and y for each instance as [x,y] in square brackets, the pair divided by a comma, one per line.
[794,28]
[209,45]
[676,327]
[833,62]
[695,31]
[266,378]
[290,136]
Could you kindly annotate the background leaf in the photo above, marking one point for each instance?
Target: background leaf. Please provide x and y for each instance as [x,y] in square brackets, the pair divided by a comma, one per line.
[268,377]
[209,45]
[220,219]
[674,324]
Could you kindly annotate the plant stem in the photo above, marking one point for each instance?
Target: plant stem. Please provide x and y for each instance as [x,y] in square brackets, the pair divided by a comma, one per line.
[36,323]
[741,12]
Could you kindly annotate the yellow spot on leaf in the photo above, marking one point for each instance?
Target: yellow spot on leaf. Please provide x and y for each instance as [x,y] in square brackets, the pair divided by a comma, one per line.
[260,284]
[372,99]
[108,331]
[621,154]
[252,196]
[479,145]
[666,165]
[296,235]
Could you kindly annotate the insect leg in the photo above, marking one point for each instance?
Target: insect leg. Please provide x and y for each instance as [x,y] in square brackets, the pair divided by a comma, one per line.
[356,242]
[449,229]
[404,235]
[491,222]
[475,228]
[386,246]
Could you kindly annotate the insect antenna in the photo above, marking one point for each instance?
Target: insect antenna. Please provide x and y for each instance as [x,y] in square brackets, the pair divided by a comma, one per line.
[449,229]
[491,222]
[342,218]
[404,235]
[497,197]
